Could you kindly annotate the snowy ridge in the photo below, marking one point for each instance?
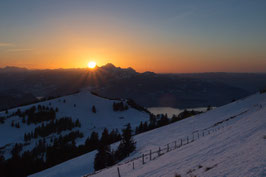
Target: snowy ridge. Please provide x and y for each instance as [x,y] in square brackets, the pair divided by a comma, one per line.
[238,149]
[76,106]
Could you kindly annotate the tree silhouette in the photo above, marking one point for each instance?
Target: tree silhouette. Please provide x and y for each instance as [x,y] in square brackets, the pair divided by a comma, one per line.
[127,144]
[93,109]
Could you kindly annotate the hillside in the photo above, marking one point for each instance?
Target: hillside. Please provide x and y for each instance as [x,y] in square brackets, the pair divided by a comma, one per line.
[70,110]
[237,149]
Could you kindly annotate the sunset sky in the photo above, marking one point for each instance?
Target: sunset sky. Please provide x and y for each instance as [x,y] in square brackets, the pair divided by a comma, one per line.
[165,36]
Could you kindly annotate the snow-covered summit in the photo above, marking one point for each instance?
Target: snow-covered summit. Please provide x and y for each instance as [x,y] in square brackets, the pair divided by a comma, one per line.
[77,106]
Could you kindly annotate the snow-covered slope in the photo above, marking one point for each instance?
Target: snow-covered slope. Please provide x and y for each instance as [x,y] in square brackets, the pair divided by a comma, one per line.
[83,101]
[236,150]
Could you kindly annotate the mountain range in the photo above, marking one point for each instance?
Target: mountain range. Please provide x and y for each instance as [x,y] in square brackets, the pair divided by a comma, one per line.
[147,89]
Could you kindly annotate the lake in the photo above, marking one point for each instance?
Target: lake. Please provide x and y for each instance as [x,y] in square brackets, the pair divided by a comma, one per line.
[171,111]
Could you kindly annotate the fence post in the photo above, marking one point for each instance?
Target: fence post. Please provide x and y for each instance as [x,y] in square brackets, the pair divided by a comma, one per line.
[203,133]
[159,151]
[167,147]
[150,154]
[175,144]
[142,158]
[118,172]
[187,140]
[181,142]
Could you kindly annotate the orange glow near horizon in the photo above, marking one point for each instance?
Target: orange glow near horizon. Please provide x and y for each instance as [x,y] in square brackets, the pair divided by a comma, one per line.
[143,64]
[171,39]
[73,48]
[141,60]
[74,51]
[92,64]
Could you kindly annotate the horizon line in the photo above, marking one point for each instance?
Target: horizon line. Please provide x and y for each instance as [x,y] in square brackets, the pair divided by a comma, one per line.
[77,68]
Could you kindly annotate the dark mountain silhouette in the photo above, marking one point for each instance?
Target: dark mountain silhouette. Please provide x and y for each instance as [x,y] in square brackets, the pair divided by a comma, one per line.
[148,88]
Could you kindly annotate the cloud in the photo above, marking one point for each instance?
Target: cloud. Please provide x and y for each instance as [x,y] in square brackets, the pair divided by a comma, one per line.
[19,50]
[4,44]
[10,47]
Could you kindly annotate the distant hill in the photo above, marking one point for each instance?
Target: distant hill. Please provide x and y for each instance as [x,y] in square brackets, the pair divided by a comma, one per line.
[148,88]
[151,90]
[13,98]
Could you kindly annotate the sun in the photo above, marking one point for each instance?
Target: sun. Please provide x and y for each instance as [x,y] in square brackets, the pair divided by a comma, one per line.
[92,64]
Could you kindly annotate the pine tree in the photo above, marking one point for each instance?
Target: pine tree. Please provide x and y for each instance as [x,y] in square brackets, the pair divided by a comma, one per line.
[92,141]
[23,120]
[93,109]
[127,144]
[77,123]
[140,129]
[25,137]
[104,156]
[18,112]
[17,125]
[152,124]
[114,136]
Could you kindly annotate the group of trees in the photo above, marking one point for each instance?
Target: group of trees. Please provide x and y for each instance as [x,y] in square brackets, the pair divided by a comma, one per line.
[42,114]
[162,120]
[64,148]
[54,126]
[32,115]
[36,115]
[61,149]
[106,157]
[93,141]
[120,106]
[13,124]
[155,122]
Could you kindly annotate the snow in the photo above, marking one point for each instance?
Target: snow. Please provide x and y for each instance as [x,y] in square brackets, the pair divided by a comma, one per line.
[104,117]
[238,149]
[74,167]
